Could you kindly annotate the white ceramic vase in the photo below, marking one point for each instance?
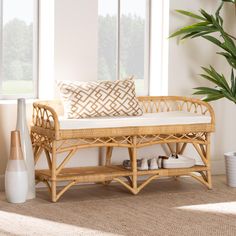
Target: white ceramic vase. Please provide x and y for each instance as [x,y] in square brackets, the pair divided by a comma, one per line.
[230,166]
[16,178]
[26,146]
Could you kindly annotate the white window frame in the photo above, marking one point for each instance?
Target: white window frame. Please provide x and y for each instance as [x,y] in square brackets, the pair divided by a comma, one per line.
[35,54]
[146,48]
[156,47]
[159,47]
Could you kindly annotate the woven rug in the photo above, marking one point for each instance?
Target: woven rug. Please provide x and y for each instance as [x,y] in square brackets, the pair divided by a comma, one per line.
[165,207]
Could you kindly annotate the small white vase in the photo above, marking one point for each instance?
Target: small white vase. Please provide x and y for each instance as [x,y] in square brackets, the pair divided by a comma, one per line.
[26,146]
[16,178]
[230,165]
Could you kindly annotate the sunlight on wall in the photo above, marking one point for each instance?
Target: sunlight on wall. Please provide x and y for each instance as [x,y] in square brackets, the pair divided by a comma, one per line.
[159,44]
[19,224]
[222,208]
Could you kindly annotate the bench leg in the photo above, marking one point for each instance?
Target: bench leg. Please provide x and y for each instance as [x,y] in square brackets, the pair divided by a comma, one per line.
[208,158]
[205,154]
[108,155]
[134,169]
[53,174]
[108,161]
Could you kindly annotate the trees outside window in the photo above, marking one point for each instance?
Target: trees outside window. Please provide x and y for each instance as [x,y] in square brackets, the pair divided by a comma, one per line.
[18,64]
[123,46]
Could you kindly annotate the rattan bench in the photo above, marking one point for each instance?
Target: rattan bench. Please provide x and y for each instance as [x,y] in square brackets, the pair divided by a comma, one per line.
[49,137]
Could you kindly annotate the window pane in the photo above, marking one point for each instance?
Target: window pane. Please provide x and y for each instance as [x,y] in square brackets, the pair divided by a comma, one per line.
[132,40]
[17,48]
[107,31]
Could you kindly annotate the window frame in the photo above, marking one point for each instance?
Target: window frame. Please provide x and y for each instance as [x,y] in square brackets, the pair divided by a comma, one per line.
[159,47]
[35,78]
[146,78]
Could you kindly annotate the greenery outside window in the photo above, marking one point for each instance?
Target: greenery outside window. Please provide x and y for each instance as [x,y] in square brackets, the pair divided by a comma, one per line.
[123,41]
[18,54]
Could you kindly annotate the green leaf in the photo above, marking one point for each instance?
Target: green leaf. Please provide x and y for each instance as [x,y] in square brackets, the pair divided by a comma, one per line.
[206,90]
[232,1]
[201,34]
[190,14]
[219,9]
[229,44]
[210,98]
[217,77]
[198,27]
[209,24]
[210,79]
[206,15]
[233,83]
[213,40]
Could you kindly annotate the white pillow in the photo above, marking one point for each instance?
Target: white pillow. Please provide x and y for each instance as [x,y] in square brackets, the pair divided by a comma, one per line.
[99,98]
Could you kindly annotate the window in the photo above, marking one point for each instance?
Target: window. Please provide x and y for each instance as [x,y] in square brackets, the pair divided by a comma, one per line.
[18,64]
[123,47]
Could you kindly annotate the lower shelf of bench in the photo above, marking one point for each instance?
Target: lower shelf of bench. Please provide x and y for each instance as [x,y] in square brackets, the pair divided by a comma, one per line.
[103,173]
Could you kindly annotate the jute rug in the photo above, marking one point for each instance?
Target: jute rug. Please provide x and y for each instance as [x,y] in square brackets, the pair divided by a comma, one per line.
[165,207]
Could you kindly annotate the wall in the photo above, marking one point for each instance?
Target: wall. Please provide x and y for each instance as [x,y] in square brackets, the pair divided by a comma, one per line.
[76,26]
[185,60]
[74,51]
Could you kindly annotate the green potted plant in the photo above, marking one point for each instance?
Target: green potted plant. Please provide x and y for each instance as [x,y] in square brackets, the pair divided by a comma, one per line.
[211,28]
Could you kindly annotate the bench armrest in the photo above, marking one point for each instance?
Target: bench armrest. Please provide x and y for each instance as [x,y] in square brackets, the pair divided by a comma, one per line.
[45,116]
[151,104]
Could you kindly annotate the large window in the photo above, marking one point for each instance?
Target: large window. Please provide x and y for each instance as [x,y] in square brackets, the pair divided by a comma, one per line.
[123,47]
[18,64]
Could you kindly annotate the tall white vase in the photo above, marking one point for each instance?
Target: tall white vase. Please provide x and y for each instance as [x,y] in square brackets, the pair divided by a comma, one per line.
[16,177]
[26,146]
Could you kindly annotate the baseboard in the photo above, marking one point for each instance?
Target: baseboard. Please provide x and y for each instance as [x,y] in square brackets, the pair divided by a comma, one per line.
[2,183]
[218,168]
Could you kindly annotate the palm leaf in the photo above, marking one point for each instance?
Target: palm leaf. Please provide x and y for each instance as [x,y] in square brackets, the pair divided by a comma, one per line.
[207,25]
[190,14]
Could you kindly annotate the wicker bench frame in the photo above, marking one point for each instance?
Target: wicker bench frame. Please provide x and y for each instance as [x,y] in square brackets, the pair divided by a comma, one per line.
[47,137]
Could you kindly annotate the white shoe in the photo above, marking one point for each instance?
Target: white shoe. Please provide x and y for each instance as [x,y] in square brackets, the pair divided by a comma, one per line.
[153,164]
[144,164]
[179,162]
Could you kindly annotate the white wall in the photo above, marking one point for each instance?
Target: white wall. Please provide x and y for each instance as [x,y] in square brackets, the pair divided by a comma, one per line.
[76,26]
[185,61]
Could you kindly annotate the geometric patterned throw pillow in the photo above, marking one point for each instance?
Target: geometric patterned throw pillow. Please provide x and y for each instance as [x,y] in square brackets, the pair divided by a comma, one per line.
[99,98]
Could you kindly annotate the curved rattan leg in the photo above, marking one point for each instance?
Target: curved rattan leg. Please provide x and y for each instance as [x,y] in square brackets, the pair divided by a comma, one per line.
[204,152]
[130,188]
[63,190]
[146,182]
[200,179]
[203,175]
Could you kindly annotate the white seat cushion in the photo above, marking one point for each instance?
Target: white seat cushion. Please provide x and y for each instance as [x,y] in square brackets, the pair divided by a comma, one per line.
[147,119]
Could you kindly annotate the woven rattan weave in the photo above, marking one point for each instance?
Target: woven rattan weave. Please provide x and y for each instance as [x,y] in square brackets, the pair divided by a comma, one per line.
[47,137]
